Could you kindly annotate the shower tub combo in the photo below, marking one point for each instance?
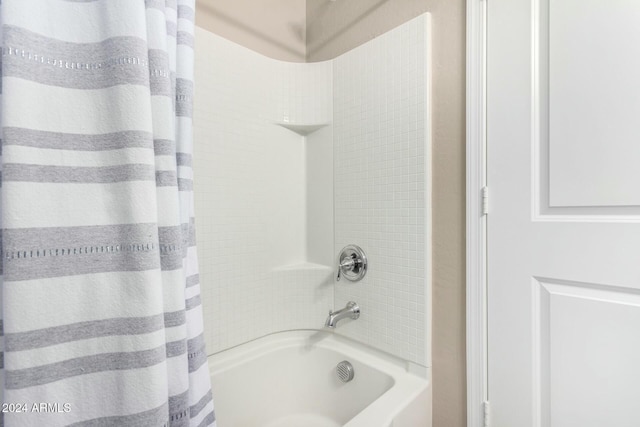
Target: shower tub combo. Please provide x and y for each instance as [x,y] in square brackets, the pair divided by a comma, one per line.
[290,379]
[361,121]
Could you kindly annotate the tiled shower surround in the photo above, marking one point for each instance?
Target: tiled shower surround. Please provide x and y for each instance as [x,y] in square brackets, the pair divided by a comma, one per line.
[380,103]
[268,199]
[251,192]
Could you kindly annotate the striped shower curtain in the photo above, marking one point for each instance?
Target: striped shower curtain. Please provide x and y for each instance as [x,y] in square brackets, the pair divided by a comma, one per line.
[101,312]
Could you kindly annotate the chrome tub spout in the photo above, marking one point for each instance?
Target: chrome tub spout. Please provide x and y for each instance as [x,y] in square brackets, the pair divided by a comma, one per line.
[351,310]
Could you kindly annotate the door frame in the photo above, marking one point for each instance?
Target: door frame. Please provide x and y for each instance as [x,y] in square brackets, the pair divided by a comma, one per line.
[477,206]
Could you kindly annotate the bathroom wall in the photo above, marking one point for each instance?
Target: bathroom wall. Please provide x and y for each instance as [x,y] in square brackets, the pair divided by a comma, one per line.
[252,191]
[382,200]
[275,28]
[336,27]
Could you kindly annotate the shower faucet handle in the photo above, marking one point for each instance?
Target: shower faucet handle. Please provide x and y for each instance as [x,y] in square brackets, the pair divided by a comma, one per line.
[352,263]
[348,264]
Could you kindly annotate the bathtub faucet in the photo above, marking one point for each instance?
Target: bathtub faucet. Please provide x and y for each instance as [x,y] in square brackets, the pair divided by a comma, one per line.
[351,310]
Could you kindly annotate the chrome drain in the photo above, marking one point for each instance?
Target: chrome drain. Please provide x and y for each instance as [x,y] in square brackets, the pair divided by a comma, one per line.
[345,372]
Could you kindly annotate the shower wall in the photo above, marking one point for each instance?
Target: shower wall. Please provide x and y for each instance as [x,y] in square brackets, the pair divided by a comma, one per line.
[263,267]
[382,191]
[273,139]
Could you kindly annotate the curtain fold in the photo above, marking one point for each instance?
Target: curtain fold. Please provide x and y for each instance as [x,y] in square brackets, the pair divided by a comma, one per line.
[101,311]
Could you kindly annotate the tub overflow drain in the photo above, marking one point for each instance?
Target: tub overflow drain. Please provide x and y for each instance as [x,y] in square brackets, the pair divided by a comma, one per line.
[344,370]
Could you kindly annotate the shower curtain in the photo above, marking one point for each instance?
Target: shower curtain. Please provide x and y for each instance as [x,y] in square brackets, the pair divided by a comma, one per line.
[101,311]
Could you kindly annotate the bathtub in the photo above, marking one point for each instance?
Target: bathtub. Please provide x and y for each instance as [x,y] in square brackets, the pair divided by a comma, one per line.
[289,379]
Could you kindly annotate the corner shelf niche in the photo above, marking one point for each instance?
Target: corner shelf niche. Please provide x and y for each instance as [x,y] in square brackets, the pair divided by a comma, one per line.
[302,129]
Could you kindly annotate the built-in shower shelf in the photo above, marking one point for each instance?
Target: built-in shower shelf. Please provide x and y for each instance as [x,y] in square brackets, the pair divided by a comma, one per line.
[304,266]
[301,129]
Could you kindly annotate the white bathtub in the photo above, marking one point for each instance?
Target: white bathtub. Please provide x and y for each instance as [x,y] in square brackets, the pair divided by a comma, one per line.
[289,380]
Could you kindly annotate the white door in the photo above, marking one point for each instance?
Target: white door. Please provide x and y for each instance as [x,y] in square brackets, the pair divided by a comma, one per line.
[564,213]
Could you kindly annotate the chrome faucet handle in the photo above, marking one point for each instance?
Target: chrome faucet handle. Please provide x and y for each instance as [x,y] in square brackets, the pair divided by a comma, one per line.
[348,264]
[352,263]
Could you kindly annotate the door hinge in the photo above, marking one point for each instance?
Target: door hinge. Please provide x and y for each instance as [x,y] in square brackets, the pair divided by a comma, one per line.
[487,414]
[485,200]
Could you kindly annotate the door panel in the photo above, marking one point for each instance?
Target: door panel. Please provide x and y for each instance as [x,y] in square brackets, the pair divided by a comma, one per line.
[564,224]
[589,333]
[594,101]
